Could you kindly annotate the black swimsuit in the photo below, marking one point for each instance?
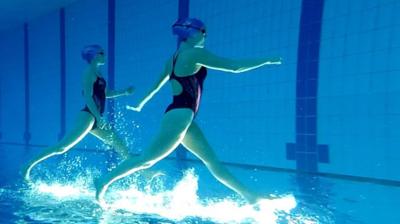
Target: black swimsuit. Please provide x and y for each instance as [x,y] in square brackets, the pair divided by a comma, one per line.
[192,87]
[99,97]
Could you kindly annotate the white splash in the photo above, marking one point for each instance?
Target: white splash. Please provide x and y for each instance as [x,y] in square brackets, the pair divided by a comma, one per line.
[62,191]
[178,203]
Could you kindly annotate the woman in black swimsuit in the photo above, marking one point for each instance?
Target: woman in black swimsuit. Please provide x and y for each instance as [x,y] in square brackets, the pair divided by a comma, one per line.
[186,71]
[90,118]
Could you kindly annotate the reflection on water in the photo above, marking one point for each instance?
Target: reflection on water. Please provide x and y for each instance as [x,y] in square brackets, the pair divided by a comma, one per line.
[314,198]
[146,201]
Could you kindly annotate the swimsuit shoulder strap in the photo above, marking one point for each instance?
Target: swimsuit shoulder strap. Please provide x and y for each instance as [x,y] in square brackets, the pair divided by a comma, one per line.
[173,64]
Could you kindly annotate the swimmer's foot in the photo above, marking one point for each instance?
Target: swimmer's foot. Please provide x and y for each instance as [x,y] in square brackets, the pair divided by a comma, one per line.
[254,199]
[100,191]
[25,172]
[150,175]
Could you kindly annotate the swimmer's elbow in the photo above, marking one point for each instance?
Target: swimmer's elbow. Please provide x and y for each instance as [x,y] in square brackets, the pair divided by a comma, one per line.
[238,69]
[87,97]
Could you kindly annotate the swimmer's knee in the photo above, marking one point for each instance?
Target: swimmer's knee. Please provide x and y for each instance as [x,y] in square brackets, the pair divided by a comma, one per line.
[146,163]
[213,165]
[108,142]
[61,150]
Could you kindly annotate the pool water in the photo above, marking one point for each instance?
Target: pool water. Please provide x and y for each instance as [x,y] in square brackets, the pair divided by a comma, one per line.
[192,195]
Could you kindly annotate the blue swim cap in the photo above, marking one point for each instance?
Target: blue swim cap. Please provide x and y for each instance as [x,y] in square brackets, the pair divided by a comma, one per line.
[185,28]
[89,52]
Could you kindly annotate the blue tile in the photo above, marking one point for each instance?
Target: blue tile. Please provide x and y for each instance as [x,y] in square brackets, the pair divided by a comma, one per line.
[323,154]
[62,75]
[311,125]
[27,135]
[301,159]
[311,139]
[301,138]
[301,124]
[301,148]
[312,148]
[311,106]
[312,163]
[307,86]
[301,106]
[307,162]
[291,151]
[312,65]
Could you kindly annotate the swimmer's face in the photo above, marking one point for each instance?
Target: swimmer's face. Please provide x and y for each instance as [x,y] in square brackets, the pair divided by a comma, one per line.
[100,58]
[199,38]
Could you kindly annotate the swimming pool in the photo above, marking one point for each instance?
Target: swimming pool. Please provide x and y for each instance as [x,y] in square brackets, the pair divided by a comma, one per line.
[65,194]
[331,108]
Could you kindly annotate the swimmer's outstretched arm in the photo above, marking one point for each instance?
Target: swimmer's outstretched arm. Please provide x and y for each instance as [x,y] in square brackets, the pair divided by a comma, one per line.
[157,86]
[117,93]
[212,61]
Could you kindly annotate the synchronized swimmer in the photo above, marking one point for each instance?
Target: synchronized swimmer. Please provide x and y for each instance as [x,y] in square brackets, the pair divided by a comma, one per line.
[90,118]
[186,71]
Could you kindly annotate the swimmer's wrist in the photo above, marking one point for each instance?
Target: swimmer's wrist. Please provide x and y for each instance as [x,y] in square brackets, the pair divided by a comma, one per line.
[274,60]
[128,91]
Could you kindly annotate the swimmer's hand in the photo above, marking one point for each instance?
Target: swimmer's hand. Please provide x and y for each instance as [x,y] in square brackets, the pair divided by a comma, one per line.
[274,61]
[129,90]
[150,174]
[136,108]
[101,122]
